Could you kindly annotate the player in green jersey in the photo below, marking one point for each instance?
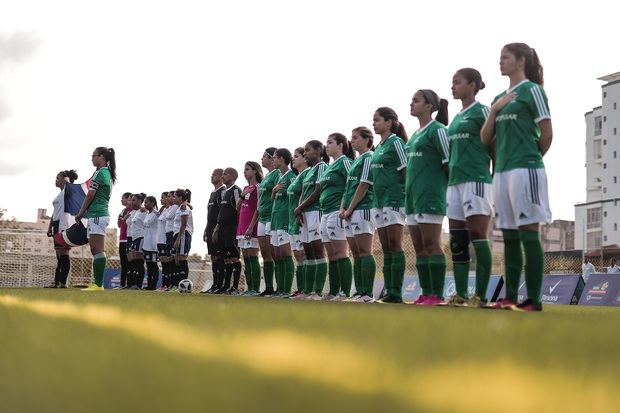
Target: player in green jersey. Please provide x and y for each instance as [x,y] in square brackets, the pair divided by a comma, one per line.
[263,230]
[334,239]
[388,175]
[280,238]
[356,212]
[294,193]
[428,154]
[469,189]
[519,124]
[308,214]
[95,208]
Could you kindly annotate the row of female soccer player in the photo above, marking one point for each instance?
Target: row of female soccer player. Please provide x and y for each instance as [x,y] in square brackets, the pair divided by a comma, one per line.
[317,209]
[149,233]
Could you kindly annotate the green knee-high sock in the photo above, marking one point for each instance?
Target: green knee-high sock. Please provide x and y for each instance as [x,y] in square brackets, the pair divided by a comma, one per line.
[461,278]
[387,271]
[321,275]
[346,275]
[483,266]
[255,267]
[368,269]
[334,277]
[268,268]
[437,265]
[310,276]
[534,263]
[98,267]
[289,273]
[280,275]
[398,273]
[513,263]
[357,276]
[299,276]
[424,274]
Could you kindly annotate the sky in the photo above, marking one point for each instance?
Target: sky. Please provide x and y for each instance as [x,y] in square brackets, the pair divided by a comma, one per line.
[180,88]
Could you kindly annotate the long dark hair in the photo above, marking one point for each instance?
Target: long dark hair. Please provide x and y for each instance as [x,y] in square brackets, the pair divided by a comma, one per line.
[365,133]
[109,156]
[438,105]
[152,199]
[397,127]
[340,139]
[300,151]
[533,68]
[318,145]
[141,196]
[185,194]
[71,174]
[472,76]
[284,154]
[256,167]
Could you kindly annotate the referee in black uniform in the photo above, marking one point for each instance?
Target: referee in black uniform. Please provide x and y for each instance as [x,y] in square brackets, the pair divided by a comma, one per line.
[215,201]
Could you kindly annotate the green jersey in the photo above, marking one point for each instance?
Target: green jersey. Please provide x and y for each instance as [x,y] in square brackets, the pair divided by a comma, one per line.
[101,183]
[294,193]
[333,182]
[312,178]
[428,151]
[469,158]
[388,160]
[359,172]
[516,128]
[279,213]
[264,195]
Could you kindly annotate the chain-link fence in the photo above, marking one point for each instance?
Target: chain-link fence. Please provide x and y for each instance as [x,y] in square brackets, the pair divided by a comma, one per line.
[27,259]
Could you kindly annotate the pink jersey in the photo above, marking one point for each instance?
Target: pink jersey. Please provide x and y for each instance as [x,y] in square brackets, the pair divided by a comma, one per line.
[249,203]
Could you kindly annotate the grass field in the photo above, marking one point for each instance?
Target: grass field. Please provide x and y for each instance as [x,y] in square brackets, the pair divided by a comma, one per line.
[128,351]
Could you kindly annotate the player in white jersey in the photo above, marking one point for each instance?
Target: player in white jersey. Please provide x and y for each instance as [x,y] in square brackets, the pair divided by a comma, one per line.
[136,256]
[170,213]
[58,223]
[182,229]
[162,247]
[149,246]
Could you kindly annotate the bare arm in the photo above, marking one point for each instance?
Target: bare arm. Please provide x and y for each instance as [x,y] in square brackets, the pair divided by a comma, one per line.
[546,136]
[310,200]
[360,193]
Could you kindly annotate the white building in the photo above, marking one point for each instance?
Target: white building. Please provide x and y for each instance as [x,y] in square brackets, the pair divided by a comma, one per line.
[597,219]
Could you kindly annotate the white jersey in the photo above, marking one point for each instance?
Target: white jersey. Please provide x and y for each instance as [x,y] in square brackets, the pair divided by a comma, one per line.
[170,212]
[137,225]
[128,221]
[59,213]
[150,231]
[177,220]
[161,227]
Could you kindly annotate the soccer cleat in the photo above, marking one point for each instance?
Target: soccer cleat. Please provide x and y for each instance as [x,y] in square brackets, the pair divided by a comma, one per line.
[93,287]
[340,297]
[456,301]
[527,306]
[232,291]
[60,285]
[328,297]
[390,299]
[314,297]
[55,285]
[354,297]
[300,296]
[503,304]
[431,300]
[267,293]
[420,300]
[365,299]
[476,302]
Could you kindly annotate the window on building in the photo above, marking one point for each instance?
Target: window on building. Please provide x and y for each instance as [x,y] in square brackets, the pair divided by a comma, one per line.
[593,217]
[604,190]
[605,238]
[604,118]
[615,132]
[604,142]
[615,180]
[594,240]
[598,149]
[598,126]
[604,94]
[604,166]
[614,154]
[604,214]
[615,226]
[615,106]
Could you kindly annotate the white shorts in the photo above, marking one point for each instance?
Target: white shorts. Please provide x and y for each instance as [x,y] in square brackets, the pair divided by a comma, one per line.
[97,226]
[280,237]
[469,198]
[245,243]
[311,228]
[415,219]
[384,217]
[521,198]
[332,228]
[296,244]
[360,222]
[263,229]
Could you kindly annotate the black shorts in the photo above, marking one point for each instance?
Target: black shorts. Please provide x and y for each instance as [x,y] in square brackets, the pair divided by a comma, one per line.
[128,244]
[227,242]
[169,242]
[150,256]
[212,248]
[184,246]
[136,244]
[162,250]
[55,227]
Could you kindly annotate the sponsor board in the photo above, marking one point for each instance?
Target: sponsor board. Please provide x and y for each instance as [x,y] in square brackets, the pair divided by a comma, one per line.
[601,289]
[112,279]
[412,289]
[556,289]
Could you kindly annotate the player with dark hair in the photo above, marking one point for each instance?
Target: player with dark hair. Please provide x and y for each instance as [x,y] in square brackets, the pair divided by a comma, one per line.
[182,229]
[122,239]
[136,256]
[213,209]
[519,124]
[58,223]
[95,208]
[149,247]
[428,152]
[294,193]
[225,233]
[246,228]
